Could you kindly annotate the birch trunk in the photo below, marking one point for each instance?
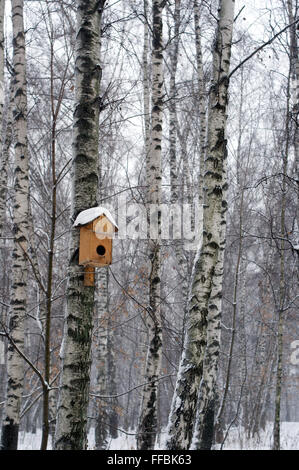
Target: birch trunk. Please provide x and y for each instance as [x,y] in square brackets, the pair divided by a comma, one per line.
[15,364]
[243,341]
[172,106]
[282,280]
[174,133]
[147,428]
[7,135]
[101,433]
[3,173]
[182,415]
[146,91]
[7,140]
[52,415]
[55,108]
[2,5]
[294,60]
[75,377]
[201,98]
[204,426]
[112,385]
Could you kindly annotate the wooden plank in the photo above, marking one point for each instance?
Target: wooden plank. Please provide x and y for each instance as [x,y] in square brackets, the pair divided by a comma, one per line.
[86,234]
[89,275]
[94,251]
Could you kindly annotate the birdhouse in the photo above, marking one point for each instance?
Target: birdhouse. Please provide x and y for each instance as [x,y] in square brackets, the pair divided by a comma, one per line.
[97,229]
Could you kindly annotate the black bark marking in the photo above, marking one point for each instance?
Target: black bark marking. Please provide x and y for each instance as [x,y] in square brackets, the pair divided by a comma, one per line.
[10,433]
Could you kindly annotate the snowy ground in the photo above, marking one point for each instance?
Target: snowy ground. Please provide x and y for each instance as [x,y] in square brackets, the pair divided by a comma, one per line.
[236,440]
[289,438]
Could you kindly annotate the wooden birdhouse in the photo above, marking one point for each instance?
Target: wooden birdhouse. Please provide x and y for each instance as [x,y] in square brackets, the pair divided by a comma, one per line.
[97,229]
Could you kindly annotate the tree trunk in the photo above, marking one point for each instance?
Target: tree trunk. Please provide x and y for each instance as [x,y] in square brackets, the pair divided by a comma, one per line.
[234,316]
[146,78]
[172,106]
[147,428]
[2,4]
[204,426]
[75,376]
[112,385]
[101,428]
[7,140]
[182,415]
[282,280]
[15,364]
[294,59]
[3,173]
[201,98]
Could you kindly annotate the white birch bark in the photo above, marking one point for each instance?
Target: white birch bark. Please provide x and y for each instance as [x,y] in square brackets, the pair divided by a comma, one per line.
[206,399]
[262,363]
[111,373]
[201,97]
[52,414]
[148,414]
[294,58]
[2,5]
[172,106]
[101,428]
[3,126]
[70,431]
[243,338]
[146,78]
[282,283]
[15,364]
[7,135]
[234,317]
[7,141]
[182,415]
[176,193]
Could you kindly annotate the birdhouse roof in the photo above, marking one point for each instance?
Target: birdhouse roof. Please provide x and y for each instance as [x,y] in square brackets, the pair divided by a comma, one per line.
[91,214]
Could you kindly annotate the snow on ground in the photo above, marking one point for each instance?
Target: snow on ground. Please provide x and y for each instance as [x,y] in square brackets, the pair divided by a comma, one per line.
[236,440]
[122,442]
[30,441]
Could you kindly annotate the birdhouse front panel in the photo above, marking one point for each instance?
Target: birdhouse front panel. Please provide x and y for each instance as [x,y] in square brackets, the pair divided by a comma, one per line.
[95,243]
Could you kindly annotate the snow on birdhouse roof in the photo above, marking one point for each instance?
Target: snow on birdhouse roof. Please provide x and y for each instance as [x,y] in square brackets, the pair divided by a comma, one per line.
[93,213]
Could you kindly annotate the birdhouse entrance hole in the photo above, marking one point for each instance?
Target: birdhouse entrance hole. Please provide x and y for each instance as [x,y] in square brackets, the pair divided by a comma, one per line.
[101,250]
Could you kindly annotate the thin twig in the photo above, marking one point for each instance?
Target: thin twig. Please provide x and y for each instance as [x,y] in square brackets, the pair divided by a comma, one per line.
[261,47]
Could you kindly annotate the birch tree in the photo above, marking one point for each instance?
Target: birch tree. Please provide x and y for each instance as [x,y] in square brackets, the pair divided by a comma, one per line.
[7,138]
[182,415]
[15,364]
[2,4]
[282,277]
[2,161]
[204,425]
[294,64]
[55,104]
[145,80]
[201,96]
[3,183]
[172,106]
[101,427]
[148,414]
[75,376]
